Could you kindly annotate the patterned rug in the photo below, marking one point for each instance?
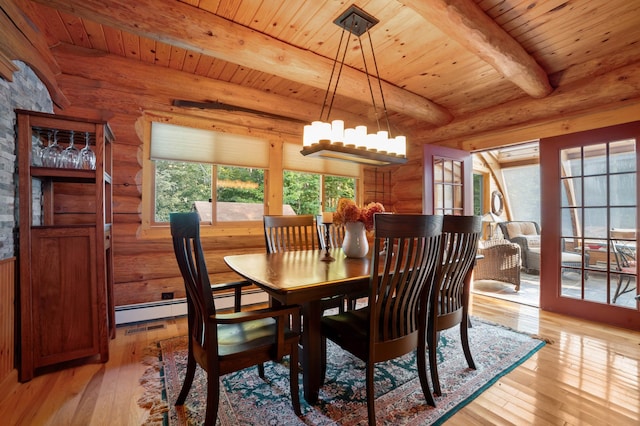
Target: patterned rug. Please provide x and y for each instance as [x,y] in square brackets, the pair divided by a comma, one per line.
[248,400]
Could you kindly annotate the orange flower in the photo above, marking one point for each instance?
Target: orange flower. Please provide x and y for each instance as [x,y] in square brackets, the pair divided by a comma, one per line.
[348,211]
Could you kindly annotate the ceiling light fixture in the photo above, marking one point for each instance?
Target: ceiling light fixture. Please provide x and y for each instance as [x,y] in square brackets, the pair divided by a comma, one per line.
[330,139]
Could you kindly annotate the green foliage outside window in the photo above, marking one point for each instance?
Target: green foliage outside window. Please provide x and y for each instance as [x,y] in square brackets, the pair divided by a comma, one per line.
[336,187]
[240,185]
[178,185]
[302,192]
[478,190]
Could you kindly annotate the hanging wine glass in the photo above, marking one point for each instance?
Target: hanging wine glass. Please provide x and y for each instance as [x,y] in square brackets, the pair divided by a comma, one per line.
[71,155]
[87,156]
[51,154]
[36,149]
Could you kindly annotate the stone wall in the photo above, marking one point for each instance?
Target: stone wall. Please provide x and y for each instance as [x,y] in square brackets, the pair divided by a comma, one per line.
[26,91]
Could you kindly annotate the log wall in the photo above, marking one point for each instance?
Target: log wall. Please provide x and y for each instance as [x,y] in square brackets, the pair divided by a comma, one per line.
[145,268]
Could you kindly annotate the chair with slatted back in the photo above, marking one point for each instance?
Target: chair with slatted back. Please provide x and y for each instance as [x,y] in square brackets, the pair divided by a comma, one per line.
[224,343]
[290,233]
[623,254]
[449,299]
[293,233]
[393,323]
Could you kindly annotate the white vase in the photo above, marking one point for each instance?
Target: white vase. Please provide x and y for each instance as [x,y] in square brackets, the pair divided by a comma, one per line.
[355,243]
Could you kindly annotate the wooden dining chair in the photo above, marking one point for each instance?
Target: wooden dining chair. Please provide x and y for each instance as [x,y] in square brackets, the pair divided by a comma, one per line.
[290,232]
[394,321]
[623,259]
[449,299]
[293,233]
[224,343]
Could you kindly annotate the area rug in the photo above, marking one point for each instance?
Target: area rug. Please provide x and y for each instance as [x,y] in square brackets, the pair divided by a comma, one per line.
[248,400]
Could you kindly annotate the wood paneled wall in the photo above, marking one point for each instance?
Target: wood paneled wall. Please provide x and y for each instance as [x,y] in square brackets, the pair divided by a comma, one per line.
[7,322]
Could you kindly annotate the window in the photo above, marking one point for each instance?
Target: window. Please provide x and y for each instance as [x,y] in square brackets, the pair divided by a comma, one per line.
[599,209]
[191,172]
[478,193]
[447,186]
[185,186]
[232,176]
[311,193]
[523,191]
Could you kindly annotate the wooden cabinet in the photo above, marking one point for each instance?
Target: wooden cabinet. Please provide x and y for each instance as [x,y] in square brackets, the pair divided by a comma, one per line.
[66,280]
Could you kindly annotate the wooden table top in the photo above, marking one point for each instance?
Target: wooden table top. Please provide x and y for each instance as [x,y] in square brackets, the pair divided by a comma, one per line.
[301,276]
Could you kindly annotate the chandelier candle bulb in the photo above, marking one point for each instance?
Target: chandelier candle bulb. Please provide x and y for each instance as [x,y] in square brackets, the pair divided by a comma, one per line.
[383,139]
[350,137]
[316,128]
[327,217]
[307,136]
[361,136]
[324,132]
[337,132]
[391,147]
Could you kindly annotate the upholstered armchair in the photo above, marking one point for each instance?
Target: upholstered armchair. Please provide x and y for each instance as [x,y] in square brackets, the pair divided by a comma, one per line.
[527,235]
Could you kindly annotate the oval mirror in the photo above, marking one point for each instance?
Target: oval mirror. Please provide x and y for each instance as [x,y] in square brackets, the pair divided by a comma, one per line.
[497,203]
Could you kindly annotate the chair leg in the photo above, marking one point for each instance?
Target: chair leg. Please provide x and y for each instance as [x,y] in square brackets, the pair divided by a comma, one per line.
[464,337]
[371,394]
[213,398]
[323,359]
[261,370]
[188,377]
[293,380]
[622,290]
[421,358]
[432,342]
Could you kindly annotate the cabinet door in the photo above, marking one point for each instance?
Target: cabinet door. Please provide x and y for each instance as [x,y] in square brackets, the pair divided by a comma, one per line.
[64,294]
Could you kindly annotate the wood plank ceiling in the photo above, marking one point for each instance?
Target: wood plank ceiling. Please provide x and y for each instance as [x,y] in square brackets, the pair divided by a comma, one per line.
[449,67]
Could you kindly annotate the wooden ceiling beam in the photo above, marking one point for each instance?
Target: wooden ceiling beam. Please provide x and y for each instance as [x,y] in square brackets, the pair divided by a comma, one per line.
[181,25]
[19,41]
[620,85]
[466,23]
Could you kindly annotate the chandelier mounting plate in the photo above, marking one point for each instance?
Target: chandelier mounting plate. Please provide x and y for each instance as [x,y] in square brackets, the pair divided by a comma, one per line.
[355,20]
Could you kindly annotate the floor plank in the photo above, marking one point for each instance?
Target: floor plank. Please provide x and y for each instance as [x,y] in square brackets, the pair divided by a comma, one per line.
[588,375]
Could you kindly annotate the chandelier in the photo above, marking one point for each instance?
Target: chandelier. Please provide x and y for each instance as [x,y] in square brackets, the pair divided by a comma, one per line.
[330,139]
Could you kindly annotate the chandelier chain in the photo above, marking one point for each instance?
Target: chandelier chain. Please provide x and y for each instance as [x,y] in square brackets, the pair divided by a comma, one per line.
[384,104]
[333,70]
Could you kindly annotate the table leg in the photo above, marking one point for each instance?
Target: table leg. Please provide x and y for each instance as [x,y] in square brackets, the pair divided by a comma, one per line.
[311,350]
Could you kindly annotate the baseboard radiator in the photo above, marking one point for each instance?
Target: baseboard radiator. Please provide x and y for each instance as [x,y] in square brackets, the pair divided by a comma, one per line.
[140,312]
[7,321]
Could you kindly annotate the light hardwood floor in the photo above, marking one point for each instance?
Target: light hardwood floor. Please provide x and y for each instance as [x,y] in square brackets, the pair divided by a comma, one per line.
[589,375]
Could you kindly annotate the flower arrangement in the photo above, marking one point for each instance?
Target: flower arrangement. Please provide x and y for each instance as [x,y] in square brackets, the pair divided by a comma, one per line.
[348,211]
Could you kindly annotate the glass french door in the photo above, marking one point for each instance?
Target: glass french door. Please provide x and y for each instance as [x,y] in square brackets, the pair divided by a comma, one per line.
[590,219]
[448,181]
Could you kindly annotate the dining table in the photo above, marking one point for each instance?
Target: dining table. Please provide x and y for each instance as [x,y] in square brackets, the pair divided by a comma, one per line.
[304,278]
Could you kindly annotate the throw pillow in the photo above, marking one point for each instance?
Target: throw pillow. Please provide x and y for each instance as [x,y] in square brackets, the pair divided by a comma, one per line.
[528,228]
